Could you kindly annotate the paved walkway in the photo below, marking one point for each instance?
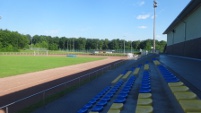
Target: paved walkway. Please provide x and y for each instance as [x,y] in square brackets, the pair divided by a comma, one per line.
[188,69]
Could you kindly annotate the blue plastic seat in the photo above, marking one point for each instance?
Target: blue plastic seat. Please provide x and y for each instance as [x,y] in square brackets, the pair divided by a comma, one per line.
[120,93]
[124,95]
[127,87]
[146,77]
[145,83]
[107,98]
[97,108]
[145,90]
[92,101]
[109,94]
[102,103]
[97,97]
[115,88]
[145,86]
[125,91]
[130,83]
[120,100]
[88,105]
[82,110]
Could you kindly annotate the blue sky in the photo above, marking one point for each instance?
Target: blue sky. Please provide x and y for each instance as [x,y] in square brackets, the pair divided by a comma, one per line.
[111,19]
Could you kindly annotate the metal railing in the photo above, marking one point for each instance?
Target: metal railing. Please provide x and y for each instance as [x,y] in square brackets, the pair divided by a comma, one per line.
[8,108]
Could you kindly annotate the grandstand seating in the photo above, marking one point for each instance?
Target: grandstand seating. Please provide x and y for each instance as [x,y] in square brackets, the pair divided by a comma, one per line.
[121,97]
[116,95]
[144,109]
[117,79]
[100,100]
[146,67]
[188,100]
[136,71]
[144,95]
[144,102]
[145,86]
[126,75]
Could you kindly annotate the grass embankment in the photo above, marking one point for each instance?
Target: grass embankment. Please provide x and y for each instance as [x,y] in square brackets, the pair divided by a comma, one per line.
[13,65]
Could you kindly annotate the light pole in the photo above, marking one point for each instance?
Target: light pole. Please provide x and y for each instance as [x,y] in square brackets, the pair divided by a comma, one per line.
[73,45]
[67,45]
[131,46]
[124,46]
[154,21]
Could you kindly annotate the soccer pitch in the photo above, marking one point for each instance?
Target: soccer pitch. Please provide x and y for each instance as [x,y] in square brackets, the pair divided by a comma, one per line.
[14,65]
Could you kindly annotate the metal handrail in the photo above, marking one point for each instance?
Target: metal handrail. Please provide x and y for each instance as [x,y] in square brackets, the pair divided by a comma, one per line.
[43,91]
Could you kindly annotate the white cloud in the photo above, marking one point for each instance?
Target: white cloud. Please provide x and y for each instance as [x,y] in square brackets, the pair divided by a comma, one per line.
[141,3]
[142,27]
[143,17]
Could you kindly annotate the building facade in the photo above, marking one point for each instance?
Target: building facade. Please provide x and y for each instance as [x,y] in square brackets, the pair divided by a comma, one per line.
[184,33]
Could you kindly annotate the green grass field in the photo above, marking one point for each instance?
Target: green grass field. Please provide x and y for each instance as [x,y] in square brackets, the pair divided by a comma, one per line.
[13,65]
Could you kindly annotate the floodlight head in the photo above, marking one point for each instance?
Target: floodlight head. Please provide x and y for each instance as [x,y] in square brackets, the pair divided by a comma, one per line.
[155,4]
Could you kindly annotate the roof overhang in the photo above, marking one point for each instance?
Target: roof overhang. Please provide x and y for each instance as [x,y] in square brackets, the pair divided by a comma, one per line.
[193,5]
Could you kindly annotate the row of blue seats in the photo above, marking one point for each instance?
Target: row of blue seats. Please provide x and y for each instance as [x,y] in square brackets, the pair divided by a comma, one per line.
[146,84]
[167,75]
[121,98]
[122,95]
[89,105]
[144,101]
[103,102]
[97,103]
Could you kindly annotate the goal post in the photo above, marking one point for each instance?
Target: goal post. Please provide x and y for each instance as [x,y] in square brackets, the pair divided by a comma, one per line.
[40,52]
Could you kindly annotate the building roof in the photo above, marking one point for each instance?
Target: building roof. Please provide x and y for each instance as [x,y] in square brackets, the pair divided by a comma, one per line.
[191,7]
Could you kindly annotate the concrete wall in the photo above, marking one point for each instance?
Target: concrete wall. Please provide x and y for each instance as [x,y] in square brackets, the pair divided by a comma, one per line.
[190,48]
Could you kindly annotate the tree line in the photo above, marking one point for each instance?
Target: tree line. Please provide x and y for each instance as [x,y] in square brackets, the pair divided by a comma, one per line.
[12,41]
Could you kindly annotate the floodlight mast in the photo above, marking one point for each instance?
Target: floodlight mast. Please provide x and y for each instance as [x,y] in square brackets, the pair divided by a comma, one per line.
[154,22]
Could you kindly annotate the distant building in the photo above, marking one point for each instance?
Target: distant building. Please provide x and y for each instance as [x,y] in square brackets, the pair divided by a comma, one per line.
[103,51]
[184,33]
